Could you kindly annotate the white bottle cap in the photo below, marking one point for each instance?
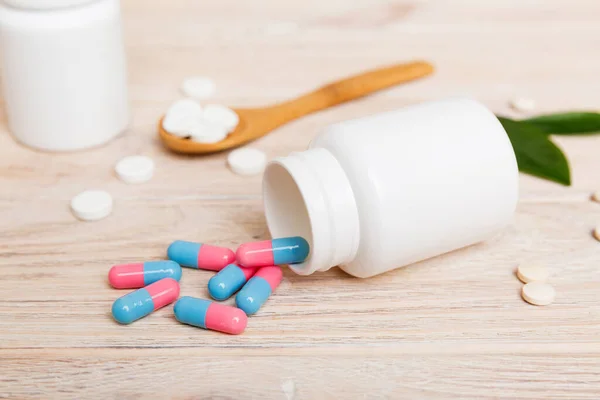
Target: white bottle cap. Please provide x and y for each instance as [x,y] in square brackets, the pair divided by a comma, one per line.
[44,4]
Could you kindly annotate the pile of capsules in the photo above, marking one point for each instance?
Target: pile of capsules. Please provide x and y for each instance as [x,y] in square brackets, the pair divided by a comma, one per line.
[254,270]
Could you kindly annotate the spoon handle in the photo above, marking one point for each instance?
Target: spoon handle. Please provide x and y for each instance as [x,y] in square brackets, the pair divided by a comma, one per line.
[348,89]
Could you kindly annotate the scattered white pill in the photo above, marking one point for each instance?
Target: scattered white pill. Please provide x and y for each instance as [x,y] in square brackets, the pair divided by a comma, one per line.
[219,114]
[204,131]
[198,87]
[522,104]
[185,107]
[532,273]
[596,196]
[92,205]
[135,169]
[538,293]
[247,161]
[597,233]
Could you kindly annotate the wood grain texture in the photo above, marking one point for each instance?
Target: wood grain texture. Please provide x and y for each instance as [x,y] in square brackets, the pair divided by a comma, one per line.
[450,327]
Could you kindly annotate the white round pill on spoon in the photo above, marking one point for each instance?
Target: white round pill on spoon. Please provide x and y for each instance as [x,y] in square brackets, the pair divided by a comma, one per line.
[92,205]
[247,161]
[198,87]
[178,124]
[538,293]
[135,169]
[185,107]
[203,131]
[219,114]
[532,273]
[180,117]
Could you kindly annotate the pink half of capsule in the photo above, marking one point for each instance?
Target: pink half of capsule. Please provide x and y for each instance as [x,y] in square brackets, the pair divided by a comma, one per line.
[163,292]
[222,318]
[255,254]
[273,276]
[127,276]
[214,258]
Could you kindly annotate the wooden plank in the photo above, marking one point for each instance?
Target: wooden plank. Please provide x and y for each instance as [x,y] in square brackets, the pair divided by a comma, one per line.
[469,295]
[296,374]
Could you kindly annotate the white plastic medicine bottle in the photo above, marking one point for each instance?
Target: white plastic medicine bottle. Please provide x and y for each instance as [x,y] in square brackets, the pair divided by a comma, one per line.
[385,191]
[63,72]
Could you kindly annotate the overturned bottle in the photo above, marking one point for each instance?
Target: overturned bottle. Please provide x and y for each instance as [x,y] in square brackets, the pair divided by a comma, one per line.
[382,192]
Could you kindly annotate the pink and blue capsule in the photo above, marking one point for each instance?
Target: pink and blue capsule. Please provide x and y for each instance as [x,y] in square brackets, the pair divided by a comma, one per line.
[144,301]
[258,289]
[206,314]
[138,275]
[291,250]
[228,281]
[200,255]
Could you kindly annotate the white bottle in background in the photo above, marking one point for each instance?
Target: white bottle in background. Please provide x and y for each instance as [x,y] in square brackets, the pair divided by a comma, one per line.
[64,74]
[382,192]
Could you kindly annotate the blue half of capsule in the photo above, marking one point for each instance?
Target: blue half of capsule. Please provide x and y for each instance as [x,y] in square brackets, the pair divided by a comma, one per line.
[228,281]
[157,270]
[192,311]
[132,306]
[184,253]
[253,295]
[290,250]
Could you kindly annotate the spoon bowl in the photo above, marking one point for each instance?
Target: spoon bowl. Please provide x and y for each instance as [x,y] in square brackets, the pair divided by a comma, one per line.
[242,134]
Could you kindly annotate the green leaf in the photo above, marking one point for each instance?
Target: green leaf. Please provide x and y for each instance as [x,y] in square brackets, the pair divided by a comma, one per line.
[571,123]
[536,154]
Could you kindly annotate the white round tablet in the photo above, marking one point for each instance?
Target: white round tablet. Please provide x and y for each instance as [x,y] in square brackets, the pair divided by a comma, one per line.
[221,115]
[532,273]
[185,107]
[538,293]
[180,116]
[198,87]
[92,205]
[181,125]
[203,131]
[247,161]
[135,169]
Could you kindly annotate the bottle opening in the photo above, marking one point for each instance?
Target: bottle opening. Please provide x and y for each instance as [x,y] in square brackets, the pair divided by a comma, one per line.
[308,194]
[285,209]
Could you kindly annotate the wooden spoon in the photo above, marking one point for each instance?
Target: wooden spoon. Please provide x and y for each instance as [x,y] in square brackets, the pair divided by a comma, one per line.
[257,122]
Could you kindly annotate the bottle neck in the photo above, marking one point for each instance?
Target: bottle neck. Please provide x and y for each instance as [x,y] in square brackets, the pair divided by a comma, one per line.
[308,194]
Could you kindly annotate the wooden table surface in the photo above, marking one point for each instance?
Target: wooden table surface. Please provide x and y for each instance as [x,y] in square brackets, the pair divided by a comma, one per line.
[451,327]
